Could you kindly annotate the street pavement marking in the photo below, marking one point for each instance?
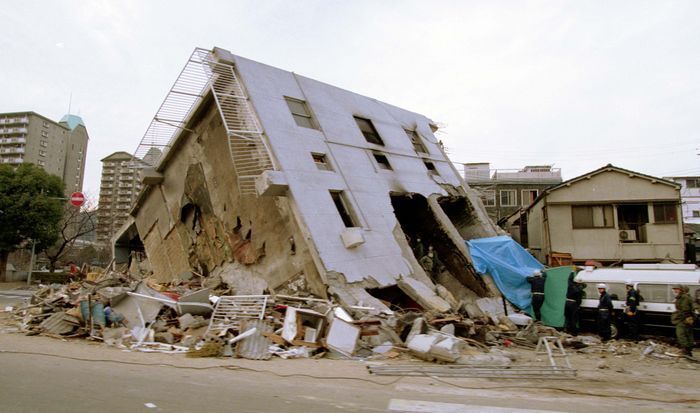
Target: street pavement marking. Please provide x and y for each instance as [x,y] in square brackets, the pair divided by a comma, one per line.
[423,406]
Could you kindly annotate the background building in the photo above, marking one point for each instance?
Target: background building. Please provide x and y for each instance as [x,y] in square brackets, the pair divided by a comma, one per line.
[58,147]
[118,190]
[690,197]
[504,191]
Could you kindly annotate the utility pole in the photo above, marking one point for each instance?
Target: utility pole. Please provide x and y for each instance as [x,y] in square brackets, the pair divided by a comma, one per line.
[31,264]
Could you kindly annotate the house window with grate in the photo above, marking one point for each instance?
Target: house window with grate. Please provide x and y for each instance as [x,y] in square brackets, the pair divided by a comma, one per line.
[665,213]
[301,113]
[416,141]
[368,130]
[382,161]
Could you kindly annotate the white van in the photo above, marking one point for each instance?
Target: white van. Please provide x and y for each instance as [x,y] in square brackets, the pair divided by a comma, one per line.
[654,282]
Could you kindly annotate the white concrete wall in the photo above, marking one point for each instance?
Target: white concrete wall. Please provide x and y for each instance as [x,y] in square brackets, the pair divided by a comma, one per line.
[355,171]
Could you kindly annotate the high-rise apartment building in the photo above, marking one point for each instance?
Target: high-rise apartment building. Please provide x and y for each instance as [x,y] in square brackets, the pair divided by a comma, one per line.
[119,188]
[58,147]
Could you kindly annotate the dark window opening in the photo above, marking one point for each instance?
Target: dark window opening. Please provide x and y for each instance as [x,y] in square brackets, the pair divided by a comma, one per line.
[368,130]
[416,141]
[665,213]
[300,113]
[633,217]
[343,210]
[397,299]
[382,161]
[321,162]
[431,167]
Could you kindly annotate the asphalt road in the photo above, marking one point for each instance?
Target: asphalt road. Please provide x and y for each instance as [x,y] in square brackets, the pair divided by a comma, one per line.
[41,374]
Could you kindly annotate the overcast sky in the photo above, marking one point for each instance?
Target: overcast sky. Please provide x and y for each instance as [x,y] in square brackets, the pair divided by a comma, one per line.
[575,84]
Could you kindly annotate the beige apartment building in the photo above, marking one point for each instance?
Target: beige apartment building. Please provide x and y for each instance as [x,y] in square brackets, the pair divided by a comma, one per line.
[118,190]
[58,147]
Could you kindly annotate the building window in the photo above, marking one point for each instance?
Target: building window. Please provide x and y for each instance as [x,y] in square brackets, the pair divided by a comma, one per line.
[692,182]
[41,162]
[382,161]
[416,141]
[342,206]
[696,214]
[46,124]
[368,130]
[42,153]
[431,167]
[321,162]
[509,197]
[44,143]
[488,197]
[300,113]
[44,134]
[665,213]
[592,216]
[528,196]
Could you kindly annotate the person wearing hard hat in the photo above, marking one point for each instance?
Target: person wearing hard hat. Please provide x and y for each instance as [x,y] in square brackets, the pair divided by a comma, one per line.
[605,311]
[631,315]
[574,295]
[682,318]
[537,280]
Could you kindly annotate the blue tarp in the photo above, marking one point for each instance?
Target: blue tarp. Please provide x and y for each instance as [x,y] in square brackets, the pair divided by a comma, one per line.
[508,264]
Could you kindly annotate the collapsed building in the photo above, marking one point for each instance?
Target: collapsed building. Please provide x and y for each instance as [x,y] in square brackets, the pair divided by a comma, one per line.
[282,184]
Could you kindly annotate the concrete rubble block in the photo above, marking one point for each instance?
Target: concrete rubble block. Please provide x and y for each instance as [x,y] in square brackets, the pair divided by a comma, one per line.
[446,295]
[420,345]
[418,327]
[493,307]
[423,295]
[448,329]
[446,349]
[188,321]
[164,337]
[114,336]
[342,337]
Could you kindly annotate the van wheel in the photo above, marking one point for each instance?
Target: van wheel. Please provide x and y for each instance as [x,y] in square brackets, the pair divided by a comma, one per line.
[613,331]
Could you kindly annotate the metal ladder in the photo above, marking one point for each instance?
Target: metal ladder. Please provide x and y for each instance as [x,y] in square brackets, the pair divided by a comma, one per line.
[544,345]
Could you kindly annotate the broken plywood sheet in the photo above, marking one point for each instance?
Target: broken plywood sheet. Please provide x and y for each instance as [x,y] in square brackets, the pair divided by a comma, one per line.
[342,337]
[60,323]
[423,295]
[139,311]
[196,303]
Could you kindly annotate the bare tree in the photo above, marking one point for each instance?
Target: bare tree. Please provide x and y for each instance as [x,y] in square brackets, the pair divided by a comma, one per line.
[77,222]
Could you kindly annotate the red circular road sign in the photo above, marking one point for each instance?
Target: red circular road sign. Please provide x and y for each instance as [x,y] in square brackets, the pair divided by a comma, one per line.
[77,198]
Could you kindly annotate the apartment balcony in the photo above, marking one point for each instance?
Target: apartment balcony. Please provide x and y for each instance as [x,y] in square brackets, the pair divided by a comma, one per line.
[14,140]
[7,131]
[11,121]
[12,150]
[107,171]
[12,160]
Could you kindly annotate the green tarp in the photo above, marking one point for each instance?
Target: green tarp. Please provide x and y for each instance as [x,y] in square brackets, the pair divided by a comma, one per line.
[555,296]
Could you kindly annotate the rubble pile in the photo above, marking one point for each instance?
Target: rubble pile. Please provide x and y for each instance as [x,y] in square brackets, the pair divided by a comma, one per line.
[203,317]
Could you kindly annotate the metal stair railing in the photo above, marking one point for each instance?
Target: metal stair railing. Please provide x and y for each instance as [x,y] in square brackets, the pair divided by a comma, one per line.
[204,73]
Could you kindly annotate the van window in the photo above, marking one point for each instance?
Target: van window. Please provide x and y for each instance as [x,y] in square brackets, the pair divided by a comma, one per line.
[654,293]
[613,289]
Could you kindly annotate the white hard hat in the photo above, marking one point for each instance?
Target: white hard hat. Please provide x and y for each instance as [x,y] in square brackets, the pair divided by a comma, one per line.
[601,285]
[537,272]
[629,282]
[578,279]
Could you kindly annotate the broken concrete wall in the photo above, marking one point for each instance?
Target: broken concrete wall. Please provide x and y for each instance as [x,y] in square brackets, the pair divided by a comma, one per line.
[196,220]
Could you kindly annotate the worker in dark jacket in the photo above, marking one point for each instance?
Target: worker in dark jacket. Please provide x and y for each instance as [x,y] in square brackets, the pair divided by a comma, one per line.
[683,320]
[605,312]
[537,280]
[631,314]
[574,296]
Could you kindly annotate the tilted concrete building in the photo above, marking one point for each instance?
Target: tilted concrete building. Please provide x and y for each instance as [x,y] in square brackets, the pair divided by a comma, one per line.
[282,183]
[59,148]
